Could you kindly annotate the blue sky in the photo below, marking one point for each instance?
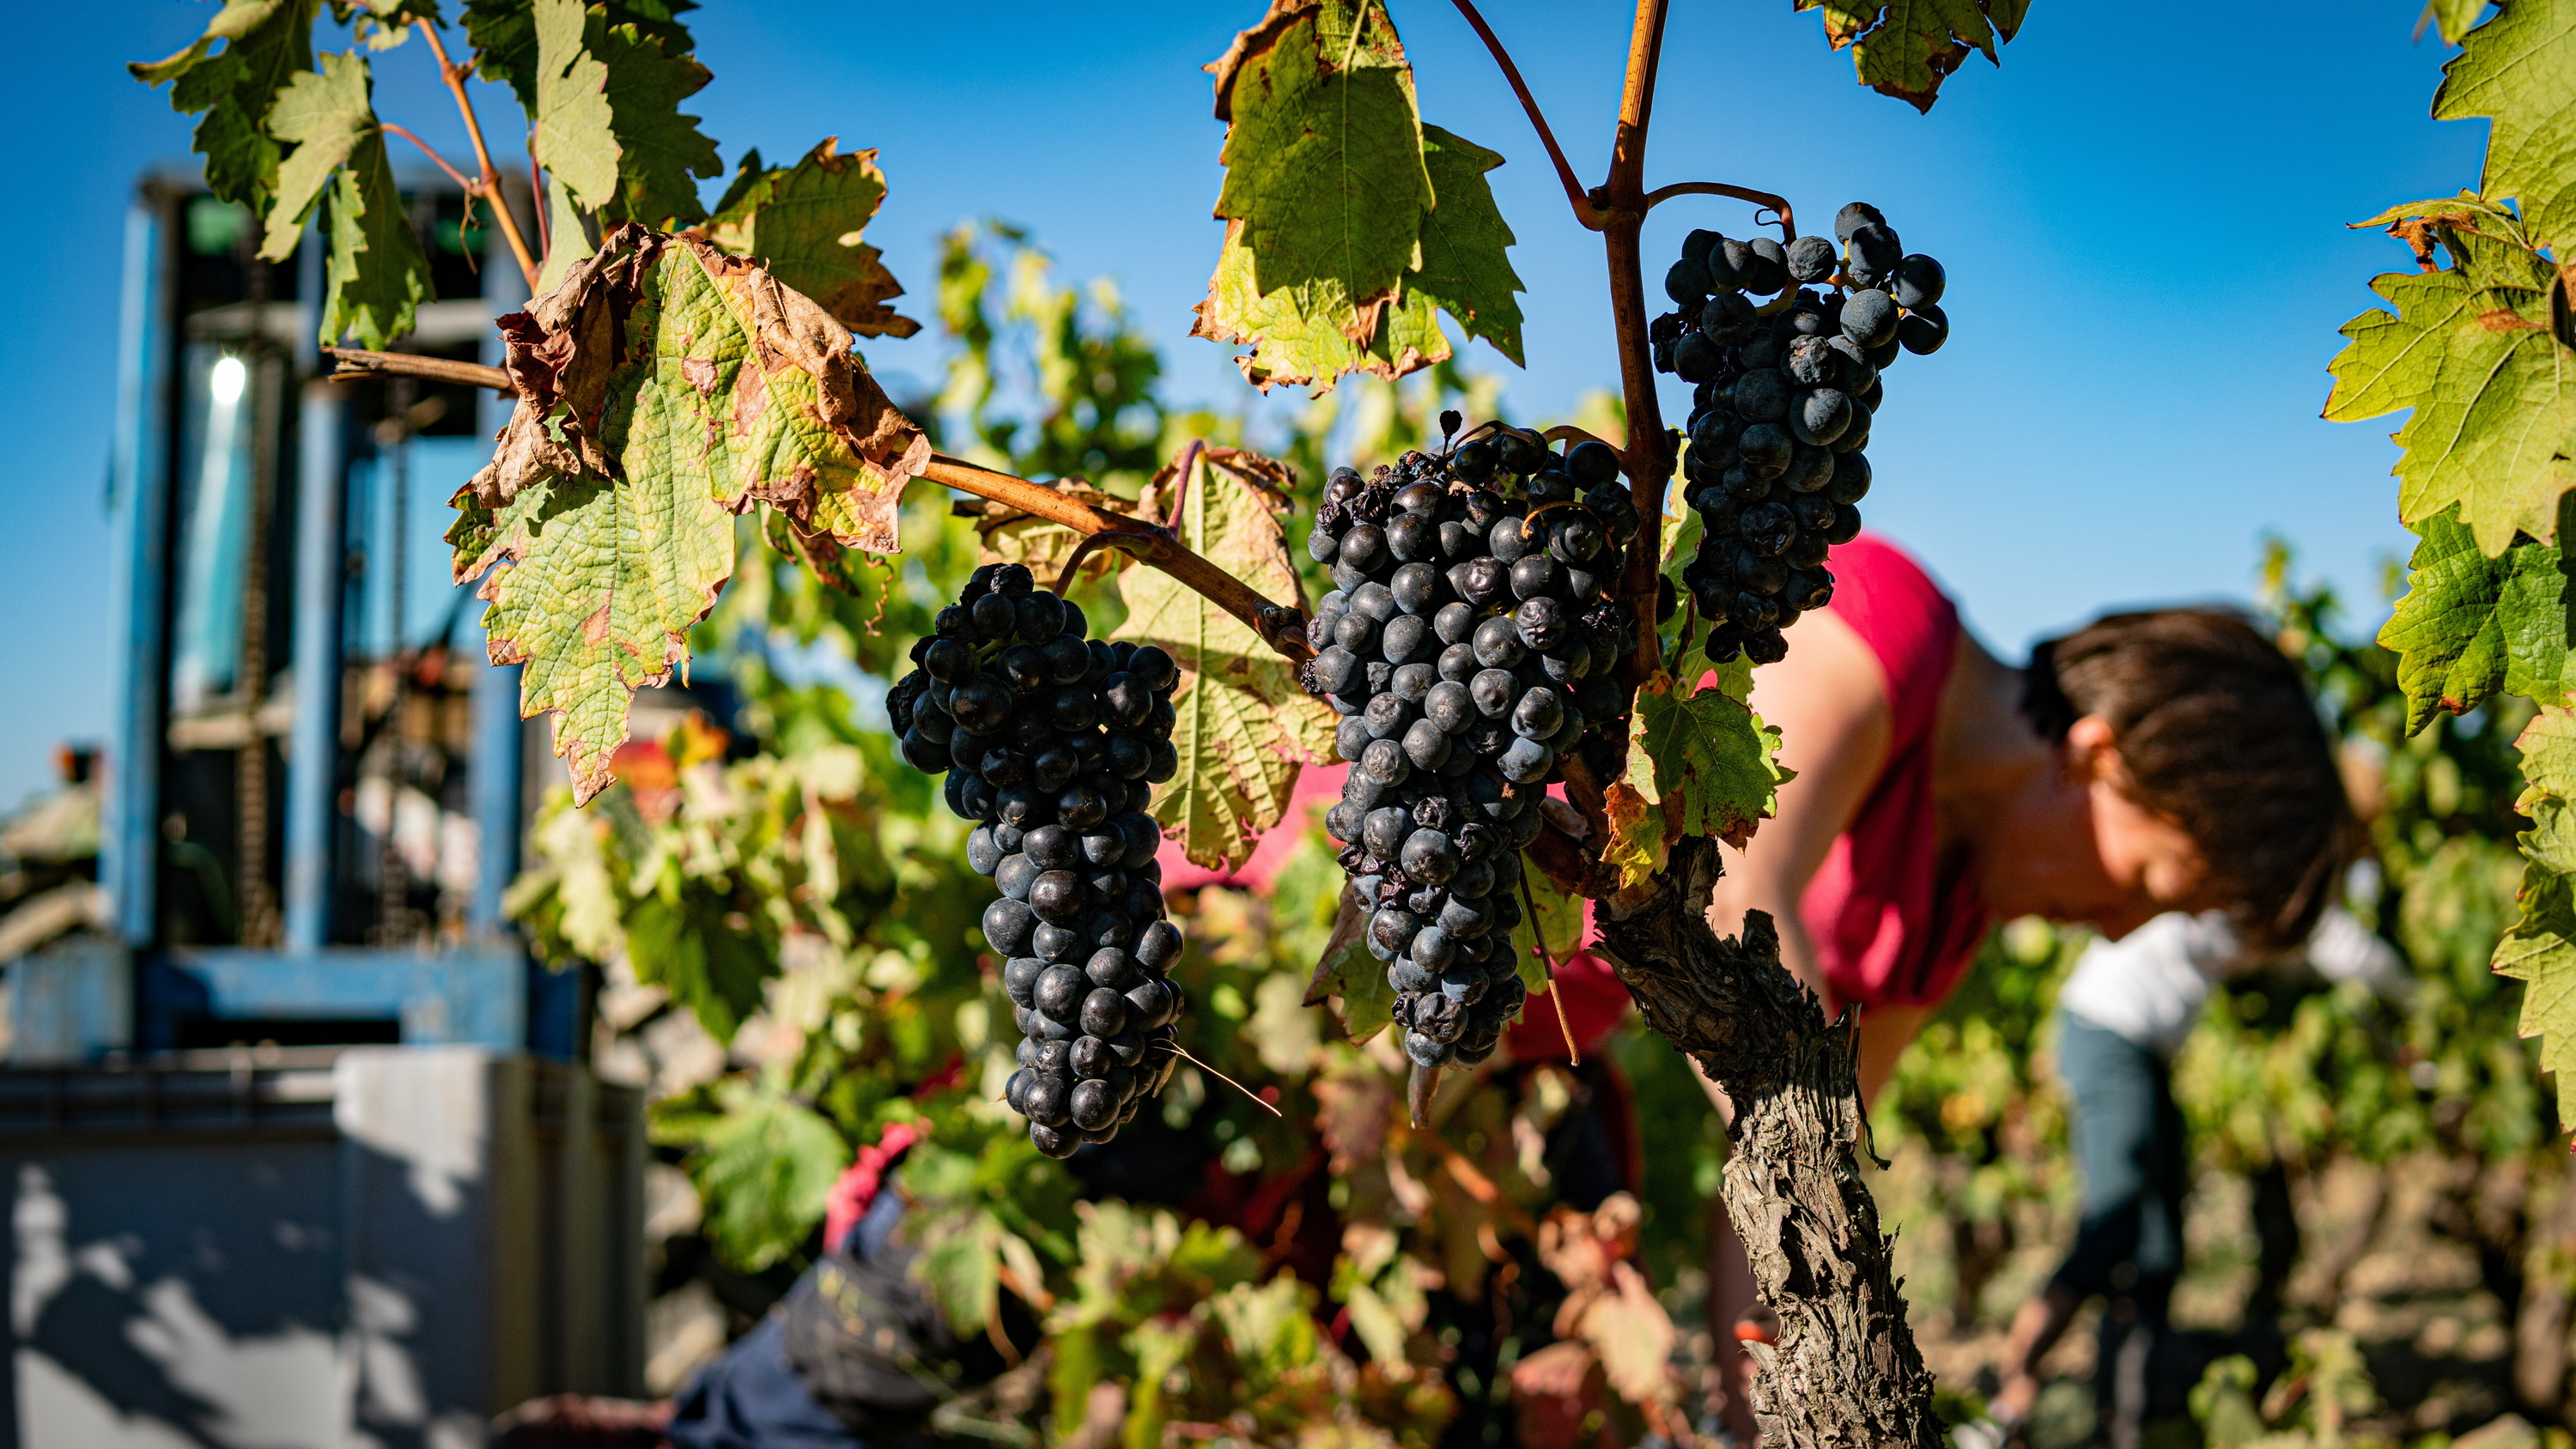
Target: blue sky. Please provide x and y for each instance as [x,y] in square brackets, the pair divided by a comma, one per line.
[2143,219]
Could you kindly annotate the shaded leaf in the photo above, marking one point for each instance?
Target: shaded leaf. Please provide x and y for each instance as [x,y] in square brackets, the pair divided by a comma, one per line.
[265,44]
[660,150]
[1556,919]
[804,222]
[1346,971]
[2519,70]
[1323,151]
[504,36]
[1005,535]
[2469,625]
[2493,396]
[1464,239]
[766,1165]
[1907,48]
[1245,724]
[2454,17]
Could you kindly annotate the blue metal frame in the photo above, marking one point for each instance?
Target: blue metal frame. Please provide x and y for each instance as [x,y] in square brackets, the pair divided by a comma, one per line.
[130,840]
[499,738]
[313,756]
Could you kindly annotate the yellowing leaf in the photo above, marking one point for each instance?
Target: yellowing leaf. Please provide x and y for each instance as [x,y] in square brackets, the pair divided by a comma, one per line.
[664,354]
[665,388]
[1298,332]
[1245,724]
[2494,395]
[2519,68]
[804,222]
[597,586]
[1700,762]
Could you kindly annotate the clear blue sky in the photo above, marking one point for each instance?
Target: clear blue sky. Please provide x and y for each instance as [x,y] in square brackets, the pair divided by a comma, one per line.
[2142,216]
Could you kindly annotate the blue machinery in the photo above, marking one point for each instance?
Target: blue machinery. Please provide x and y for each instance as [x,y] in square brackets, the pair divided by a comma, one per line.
[265,517]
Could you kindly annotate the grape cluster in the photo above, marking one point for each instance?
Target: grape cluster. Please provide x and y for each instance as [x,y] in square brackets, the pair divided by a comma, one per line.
[1778,425]
[1472,645]
[1053,743]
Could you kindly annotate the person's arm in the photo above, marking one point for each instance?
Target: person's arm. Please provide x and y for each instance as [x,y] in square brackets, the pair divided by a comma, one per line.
[1828,699]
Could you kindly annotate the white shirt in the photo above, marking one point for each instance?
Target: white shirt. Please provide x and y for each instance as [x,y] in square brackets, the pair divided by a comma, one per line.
[2149,985]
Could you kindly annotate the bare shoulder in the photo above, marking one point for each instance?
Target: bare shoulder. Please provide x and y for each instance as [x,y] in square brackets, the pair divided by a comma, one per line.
[1831,681]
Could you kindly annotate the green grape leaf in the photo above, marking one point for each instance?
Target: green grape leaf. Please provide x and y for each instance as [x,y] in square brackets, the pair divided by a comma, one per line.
[2470,625]
[1245,724]
[660,150]
[2468,349]
[377,276]
[1907,48]
[1297,332]
[804,222]
[504,36]
[1556,919]
[766,1164]
[2519,69]
[1700,762]
[1346,970]
[324,114]
[1323,150]
[576,134]
[1464,239]
[665,387]
[266,44]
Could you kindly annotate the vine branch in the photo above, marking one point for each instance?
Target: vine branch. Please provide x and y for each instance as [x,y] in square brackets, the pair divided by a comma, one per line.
[1779,205]
[1281,626]
[1584,211]
[488,185]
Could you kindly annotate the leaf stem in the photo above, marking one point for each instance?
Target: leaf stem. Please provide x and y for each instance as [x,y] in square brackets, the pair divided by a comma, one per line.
[453,174]
[488,185]
[1779,205]
[1281,626]
[1574,193]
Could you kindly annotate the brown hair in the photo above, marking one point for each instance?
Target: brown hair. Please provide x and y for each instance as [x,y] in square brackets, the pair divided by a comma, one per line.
[2219,736]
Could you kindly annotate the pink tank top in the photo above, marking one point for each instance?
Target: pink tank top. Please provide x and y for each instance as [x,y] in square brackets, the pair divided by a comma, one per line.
[1893,923]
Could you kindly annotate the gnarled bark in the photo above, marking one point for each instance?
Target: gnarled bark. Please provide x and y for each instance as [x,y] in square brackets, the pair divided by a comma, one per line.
[1846,1372]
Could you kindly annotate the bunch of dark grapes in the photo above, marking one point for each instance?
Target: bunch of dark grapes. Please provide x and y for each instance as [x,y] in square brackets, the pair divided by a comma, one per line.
[1053,743]
[1472,645]
[1778,425]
